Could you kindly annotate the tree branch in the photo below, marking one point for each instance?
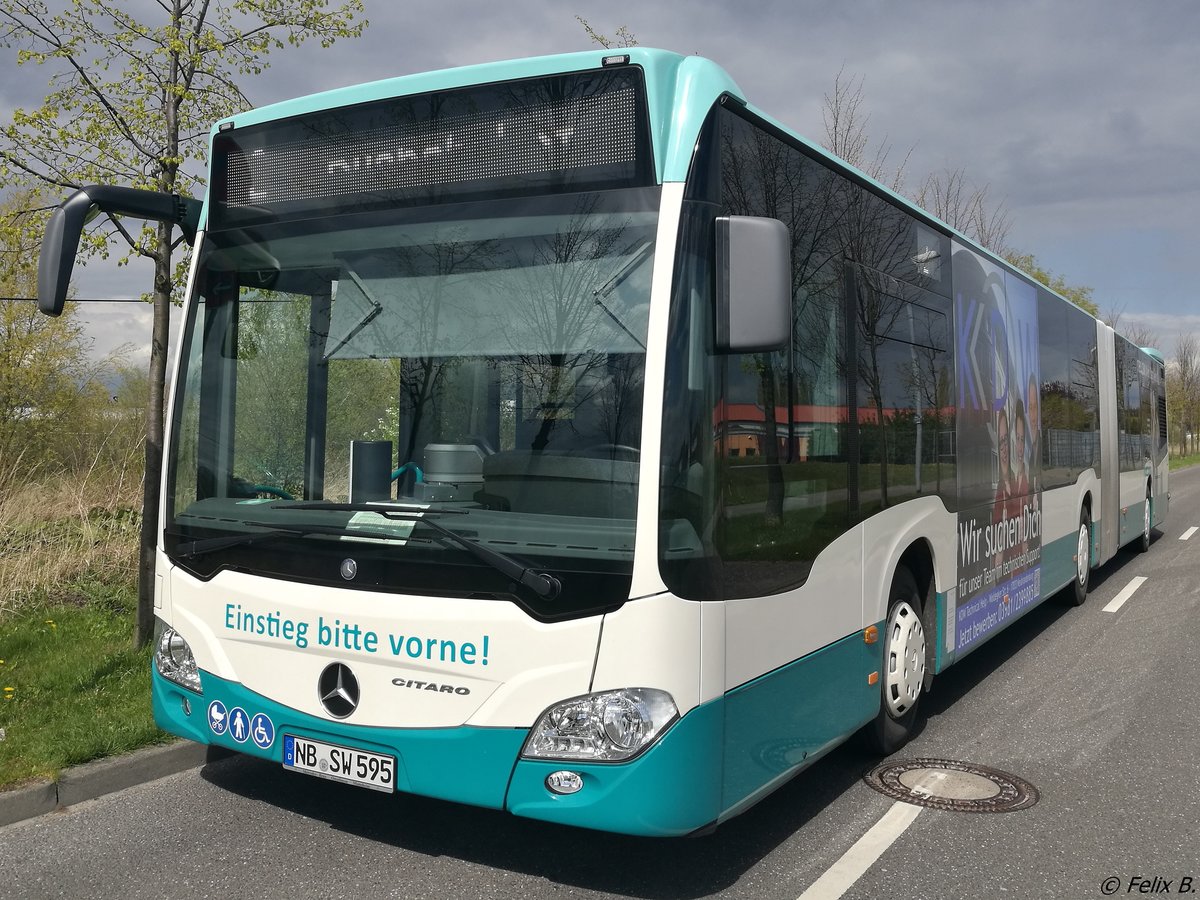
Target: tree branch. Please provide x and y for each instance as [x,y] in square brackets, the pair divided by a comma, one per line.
[41,176]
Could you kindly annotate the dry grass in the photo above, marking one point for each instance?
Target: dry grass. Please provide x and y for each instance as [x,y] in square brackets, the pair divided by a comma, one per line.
[64,530]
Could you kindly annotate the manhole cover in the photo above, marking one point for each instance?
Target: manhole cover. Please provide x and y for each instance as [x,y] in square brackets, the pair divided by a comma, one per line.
[954,786]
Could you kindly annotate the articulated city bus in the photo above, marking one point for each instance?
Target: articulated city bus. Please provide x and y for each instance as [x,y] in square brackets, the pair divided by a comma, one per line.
[566,436]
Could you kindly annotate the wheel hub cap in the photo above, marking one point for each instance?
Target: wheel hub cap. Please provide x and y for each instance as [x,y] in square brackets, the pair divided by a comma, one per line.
[905,660]
[1081,555]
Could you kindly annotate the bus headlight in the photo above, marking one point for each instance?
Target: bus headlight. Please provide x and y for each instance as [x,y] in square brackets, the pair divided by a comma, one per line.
[610,726]
[173,657]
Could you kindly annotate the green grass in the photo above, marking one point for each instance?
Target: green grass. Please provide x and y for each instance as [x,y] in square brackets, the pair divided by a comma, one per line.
[72,687]
[1182,462]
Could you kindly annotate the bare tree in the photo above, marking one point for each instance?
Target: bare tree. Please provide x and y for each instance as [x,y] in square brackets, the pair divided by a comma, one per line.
[1139,335]
[624,37]
[845,117]
[960,203]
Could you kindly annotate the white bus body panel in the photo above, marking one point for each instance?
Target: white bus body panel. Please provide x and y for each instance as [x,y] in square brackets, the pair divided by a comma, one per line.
[529,665]
[647,579]
[764,633]
[653,642]
[846,590]
[1061,505]
[889,533]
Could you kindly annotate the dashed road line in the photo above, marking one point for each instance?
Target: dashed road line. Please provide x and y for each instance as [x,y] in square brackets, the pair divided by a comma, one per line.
[840,877]
[1126,592]
[1187,534]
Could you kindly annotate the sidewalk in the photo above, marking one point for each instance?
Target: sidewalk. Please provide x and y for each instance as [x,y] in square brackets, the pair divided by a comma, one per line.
[95,779]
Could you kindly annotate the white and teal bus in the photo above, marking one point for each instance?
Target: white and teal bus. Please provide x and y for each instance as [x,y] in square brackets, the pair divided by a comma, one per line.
[566,436]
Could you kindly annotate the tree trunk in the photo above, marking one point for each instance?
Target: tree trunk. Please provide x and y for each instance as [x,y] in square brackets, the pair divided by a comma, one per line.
[155,413]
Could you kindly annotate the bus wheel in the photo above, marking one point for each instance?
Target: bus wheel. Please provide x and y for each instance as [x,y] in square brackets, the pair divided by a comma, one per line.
[1083,558]
[903,666]
[1145,543]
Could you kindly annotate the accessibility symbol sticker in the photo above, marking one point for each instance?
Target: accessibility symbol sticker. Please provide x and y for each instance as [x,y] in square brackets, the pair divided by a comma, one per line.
[239,724]
[262,731]
[218,720]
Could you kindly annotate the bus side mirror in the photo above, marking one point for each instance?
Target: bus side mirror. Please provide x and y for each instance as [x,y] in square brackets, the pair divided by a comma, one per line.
[754,285]
[60,243]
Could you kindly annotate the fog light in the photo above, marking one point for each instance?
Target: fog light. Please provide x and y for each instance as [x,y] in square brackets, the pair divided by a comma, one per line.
[564,782]
[187,707]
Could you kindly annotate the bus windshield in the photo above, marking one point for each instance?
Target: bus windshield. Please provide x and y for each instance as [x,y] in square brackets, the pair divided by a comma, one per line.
[483,358]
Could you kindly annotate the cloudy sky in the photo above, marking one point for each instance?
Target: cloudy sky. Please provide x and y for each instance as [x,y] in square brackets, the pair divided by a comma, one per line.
[1082,117]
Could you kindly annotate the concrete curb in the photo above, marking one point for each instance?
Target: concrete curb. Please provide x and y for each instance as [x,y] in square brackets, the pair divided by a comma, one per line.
[95,779]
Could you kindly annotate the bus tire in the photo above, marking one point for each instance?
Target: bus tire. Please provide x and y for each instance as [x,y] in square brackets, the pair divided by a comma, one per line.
[1144,544]
[1083,559]
[904,661]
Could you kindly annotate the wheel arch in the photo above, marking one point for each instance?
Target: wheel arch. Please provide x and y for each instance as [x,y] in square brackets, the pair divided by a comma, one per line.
[918,558]
[919,534]
[1093,551]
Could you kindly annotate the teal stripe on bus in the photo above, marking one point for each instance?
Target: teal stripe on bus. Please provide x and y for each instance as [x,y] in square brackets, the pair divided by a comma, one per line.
[1132,522]
[717,759]
[672,789]
[787,718]
[1058,563]
[465,764]
[721,756]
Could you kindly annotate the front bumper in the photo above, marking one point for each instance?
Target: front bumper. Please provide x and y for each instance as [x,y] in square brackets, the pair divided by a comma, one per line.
[674,788]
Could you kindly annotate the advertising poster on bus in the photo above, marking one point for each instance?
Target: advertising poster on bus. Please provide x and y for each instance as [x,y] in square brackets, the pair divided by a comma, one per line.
[999,420]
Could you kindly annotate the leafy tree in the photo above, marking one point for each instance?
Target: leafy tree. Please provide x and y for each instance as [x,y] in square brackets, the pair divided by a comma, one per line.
[132,97]
[1080,295]
[43,362]
[1183,392]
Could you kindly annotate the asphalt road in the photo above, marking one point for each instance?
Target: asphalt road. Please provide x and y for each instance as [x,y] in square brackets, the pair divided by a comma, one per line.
[1096,709]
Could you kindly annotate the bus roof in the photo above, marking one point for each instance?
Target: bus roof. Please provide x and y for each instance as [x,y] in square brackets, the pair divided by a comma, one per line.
[680,89]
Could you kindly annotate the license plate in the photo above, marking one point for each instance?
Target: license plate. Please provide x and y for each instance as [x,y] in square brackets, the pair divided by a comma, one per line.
[361,767]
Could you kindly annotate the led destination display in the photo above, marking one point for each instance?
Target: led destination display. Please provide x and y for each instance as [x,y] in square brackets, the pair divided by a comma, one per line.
[567,133]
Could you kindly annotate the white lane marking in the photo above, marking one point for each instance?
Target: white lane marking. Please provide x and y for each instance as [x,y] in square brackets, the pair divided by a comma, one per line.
[1187,534]
[840,877]
[1126,592]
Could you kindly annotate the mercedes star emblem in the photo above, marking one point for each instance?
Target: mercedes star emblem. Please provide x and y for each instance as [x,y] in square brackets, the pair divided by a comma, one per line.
[338,689]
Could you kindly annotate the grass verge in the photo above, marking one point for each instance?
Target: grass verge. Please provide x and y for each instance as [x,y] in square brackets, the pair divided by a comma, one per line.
[1182,462]
[72,687]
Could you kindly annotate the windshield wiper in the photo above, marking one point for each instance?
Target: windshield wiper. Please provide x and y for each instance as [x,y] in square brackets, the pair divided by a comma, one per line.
[376,309]
[192,549]
[543,584]
[613,283]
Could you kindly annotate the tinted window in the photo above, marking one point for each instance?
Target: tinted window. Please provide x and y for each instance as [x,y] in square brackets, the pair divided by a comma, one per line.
[905,412]
[1084,408]
[1056,442]
[763,454]
[1131,424]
